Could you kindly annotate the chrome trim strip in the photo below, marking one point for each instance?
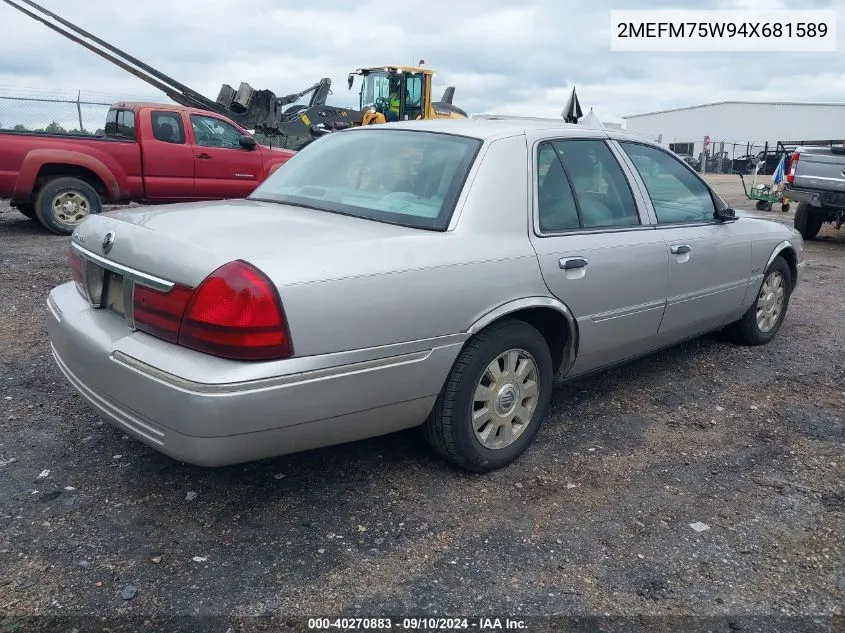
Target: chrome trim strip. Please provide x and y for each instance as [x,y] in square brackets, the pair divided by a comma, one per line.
[571,351]
[144,279]
[229,388]
[707,292]
[778,250]
[628,311]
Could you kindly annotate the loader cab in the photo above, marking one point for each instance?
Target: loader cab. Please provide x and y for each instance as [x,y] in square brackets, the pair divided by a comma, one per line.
[411,86]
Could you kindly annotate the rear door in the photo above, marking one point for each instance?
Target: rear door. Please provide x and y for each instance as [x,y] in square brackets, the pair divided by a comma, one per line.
[168,157]
[223,169]
[597,252]
[709,261]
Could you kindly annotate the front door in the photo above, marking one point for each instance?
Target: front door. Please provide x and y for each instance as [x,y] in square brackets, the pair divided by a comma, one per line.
[596,254]
[709,261]
[223,169]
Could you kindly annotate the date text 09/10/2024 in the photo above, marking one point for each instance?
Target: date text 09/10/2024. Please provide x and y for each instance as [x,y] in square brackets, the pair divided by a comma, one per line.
[419,624]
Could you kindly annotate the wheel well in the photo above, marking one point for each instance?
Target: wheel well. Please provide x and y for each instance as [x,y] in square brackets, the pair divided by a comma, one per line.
[49,171]
[792,261]
[552,325]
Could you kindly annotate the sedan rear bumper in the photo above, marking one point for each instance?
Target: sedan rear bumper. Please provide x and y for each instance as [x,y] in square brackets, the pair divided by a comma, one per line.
[149,388]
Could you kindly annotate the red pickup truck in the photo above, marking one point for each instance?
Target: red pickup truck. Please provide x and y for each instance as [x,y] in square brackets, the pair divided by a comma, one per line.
[150,152]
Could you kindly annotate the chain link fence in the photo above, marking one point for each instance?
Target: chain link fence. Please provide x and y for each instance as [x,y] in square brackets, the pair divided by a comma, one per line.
[737,157]
[55,116]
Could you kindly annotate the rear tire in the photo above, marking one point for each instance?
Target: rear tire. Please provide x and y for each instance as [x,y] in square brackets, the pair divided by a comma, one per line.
[63,203]
[807,222]
[763,319]
[508,410]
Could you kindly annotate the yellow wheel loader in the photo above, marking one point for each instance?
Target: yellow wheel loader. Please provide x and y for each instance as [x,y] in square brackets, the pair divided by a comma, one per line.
[401,93]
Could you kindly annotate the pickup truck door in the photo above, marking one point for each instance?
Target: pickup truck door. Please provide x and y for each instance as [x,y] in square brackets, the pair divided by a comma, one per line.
[223,169]
[597,254]
[709,261]
[168,157]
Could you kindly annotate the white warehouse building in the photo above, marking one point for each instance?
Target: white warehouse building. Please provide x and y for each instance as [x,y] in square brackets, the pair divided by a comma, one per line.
[740,127]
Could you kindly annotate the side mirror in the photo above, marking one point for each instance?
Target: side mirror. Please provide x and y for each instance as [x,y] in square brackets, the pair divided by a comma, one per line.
[725,215]
[350,80]
[247,142]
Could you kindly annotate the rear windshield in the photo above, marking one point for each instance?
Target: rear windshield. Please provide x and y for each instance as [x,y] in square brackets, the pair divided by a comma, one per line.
[396,176]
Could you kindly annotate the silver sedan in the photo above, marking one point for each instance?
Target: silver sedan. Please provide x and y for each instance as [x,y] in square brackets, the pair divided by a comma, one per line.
[435,274]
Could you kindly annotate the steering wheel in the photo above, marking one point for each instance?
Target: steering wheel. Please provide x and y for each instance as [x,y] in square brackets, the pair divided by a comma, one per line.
[381,104]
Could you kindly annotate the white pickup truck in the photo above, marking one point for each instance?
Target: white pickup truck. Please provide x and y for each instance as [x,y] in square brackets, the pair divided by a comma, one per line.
[816,180]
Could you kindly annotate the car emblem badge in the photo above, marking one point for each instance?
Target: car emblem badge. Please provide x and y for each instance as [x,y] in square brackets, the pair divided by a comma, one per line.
[108,242]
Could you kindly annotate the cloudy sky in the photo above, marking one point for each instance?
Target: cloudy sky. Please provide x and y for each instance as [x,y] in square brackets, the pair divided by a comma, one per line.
[502,56]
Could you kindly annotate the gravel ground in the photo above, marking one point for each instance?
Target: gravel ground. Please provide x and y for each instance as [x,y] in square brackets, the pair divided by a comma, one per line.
[594,519]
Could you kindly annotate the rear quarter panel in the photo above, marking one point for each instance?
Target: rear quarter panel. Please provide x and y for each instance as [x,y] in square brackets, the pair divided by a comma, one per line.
[117,163]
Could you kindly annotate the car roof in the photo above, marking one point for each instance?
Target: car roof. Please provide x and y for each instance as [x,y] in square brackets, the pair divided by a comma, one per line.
[490,127]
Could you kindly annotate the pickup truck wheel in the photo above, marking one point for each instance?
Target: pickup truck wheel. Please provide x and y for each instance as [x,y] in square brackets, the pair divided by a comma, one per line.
[762,320]
[495,398]
[62,203]
[807,222]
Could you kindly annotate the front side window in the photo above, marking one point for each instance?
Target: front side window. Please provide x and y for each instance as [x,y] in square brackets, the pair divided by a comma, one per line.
[676,193]
[395,176]
[212,132]
[586,170]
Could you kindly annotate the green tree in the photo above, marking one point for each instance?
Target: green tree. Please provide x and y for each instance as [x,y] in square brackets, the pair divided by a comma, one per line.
[20,127]
[55,128]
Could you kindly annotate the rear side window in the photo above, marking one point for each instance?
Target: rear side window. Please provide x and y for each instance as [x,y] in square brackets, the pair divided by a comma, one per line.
[168,128]
[557,208]
[581,185]
[396,176]
[120,123]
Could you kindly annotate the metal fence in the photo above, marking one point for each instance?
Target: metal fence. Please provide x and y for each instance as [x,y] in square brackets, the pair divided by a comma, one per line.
[58,116]
[737,157]
[75,116]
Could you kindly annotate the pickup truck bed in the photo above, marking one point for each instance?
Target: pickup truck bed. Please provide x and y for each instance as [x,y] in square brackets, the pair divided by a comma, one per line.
[816,180]
[152,153]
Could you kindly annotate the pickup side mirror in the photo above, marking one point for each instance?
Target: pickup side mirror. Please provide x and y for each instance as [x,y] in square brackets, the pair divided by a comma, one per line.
[725,214]
[247,142]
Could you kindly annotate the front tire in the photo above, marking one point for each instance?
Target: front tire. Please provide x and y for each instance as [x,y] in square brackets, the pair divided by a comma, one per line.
[807,222]
[63,203]
[495,398]
[763,319]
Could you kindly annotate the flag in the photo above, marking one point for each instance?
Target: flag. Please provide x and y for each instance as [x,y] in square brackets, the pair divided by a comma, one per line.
[780,172]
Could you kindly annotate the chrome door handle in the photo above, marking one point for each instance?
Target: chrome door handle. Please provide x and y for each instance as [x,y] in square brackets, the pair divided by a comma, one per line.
[568,263]
[680,249]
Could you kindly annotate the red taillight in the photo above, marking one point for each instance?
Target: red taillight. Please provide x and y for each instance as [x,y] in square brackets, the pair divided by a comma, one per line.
[236,313]
[160,313]
[793,163]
